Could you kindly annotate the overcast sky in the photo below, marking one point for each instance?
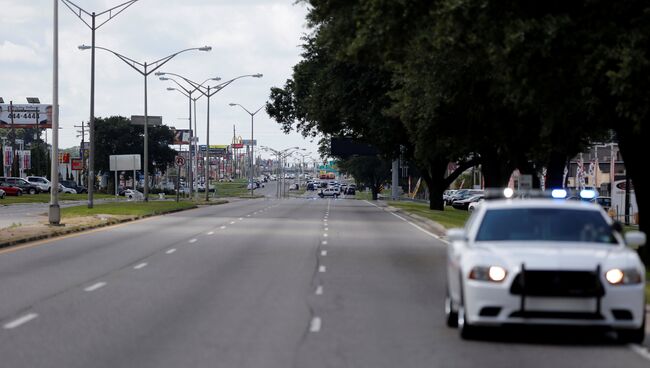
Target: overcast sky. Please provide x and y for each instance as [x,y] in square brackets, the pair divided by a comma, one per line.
[247,37]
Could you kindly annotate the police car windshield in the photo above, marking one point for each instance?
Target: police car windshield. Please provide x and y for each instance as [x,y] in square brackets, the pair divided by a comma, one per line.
[545,224]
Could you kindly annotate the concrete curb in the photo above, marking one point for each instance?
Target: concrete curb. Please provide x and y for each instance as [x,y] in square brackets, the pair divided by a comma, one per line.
[78,229]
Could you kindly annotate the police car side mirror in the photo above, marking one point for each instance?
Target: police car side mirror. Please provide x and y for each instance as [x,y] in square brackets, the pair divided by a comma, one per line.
[456,234]
[635,239]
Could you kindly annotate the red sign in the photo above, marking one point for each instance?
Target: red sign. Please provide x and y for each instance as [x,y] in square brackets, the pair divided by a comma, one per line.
[77,164]
[237,145]
[64,158]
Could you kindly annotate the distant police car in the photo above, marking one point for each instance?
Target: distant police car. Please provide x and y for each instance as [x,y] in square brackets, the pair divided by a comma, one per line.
[544,261]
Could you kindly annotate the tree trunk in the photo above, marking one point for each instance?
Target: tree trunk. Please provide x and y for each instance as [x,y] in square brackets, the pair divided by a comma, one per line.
[496,169]
[631,145]
[555,170]
[375,192]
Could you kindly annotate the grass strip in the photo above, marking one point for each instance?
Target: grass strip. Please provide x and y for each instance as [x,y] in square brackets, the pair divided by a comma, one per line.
[135,209]
[45,198]
[448,218]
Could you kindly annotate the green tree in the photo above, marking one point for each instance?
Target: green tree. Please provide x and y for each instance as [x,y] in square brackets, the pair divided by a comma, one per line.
[368,171]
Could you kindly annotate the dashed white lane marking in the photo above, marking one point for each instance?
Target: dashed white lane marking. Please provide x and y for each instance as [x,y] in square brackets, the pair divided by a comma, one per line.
[324,242]
[193,240]
[640,350]
[325,235]
[210,232]
[19,321]
[140,266]
[322,269]
[232,222]
[171,251]
[95,286]
[319,290]
[412,224]
[223,227]
[326,229]
[248,215]
[241,218]
[315,324]
[323,253]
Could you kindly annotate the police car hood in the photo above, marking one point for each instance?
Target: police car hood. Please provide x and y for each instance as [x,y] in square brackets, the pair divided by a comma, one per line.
[554,255]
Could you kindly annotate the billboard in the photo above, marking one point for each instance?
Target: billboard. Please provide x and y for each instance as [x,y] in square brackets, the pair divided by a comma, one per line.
[247,142]
[151,120]
[124,162]
[77,164]
[182,136]
[25,116]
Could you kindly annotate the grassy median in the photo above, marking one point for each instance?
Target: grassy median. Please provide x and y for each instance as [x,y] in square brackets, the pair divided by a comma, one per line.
[45,198]
[135,209]
[448,218]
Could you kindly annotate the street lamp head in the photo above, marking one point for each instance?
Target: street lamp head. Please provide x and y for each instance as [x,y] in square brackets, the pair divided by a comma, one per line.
[84,47]
[171,88]
[164,78]
[159,73]
[216,79]
[232,104]
[258,75]
[205,48]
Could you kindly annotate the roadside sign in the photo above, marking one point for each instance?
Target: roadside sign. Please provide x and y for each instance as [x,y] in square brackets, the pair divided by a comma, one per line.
[180,161]
[151,120]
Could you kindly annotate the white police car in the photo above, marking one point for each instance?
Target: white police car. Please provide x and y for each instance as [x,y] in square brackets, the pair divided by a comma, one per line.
[544,261]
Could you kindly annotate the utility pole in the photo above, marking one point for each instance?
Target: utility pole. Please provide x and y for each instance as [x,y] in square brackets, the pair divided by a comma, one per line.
[82,151]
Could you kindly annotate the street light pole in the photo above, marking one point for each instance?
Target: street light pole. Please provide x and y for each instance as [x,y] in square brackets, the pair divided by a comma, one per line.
[79,12]
[54,213]
[188,93]
[145,72]
[252,114]
[209,94]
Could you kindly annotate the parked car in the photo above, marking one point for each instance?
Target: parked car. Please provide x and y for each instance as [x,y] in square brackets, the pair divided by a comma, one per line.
[23,184]
[64,189]
[2,194]
[472,206]
[10,189]
[463,204]
[73,185]
[132,194]
[42,183]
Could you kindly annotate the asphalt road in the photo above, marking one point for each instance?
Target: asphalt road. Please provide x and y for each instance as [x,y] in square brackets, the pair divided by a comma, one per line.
[257,283]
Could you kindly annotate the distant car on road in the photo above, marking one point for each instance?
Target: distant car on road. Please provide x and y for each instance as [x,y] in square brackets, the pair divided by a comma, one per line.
[329,192]
[545,262]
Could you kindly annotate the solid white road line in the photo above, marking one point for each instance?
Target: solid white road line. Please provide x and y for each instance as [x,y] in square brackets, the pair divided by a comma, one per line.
[19,321]
[322,269]
[171,251]
[95,286]
[193,240]
[643,351]
[211,232]
[412,224]
[140,266]
[319,290]
[323,253]
[315,324]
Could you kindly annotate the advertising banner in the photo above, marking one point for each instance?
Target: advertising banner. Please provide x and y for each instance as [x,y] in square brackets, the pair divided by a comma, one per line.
[25,116]
[64,158]
[247,142]
[182,136]
[25,159]
[7,157]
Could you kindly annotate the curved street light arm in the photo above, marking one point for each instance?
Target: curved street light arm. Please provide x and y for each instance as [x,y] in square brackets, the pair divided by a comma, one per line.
[157,64]
[112,12]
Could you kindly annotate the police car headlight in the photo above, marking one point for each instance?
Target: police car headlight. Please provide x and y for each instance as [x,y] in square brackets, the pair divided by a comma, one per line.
[488,273]
[617,276]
